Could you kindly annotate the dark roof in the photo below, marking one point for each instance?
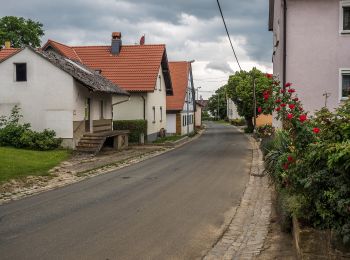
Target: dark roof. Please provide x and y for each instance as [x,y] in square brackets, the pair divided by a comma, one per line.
[89,78]
[271,14]
[202,102]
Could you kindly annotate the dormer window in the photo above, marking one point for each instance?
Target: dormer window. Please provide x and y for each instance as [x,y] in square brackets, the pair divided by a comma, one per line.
[21,72]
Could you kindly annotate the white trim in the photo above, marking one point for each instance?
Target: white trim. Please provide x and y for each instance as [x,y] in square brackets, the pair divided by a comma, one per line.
[342,71]
[345,3]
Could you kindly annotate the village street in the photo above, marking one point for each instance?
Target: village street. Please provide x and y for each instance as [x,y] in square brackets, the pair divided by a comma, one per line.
[173,206]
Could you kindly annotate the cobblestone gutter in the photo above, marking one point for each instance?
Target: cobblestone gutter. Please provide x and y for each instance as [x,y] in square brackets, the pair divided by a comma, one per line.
[245,236]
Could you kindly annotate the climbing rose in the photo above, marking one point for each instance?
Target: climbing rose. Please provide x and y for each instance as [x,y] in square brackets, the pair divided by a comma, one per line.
[301,109]
[292,90]
[288,84]
[278,101]
[302,118]
[291,106]
[296,99]
[283,91]
[290,116]
[259,109]
[285,166]
[283,105]
[316,130]
[278,109]
[290,158]
[269,76]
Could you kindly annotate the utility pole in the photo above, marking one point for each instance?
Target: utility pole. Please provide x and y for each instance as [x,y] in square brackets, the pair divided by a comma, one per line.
[254,100]
[326,96]
[218,107]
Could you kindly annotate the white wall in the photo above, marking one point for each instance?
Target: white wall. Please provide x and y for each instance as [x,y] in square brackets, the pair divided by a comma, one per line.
[50,98]
[184,126]
[156,99]
[129,110]
[171,123]
[315,50]
[47,94]
[198,115]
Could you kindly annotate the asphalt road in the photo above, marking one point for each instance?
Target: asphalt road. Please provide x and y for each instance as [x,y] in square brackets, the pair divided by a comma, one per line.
[173,206]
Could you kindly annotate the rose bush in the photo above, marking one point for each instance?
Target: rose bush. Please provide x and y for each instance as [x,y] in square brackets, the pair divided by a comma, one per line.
[312,162]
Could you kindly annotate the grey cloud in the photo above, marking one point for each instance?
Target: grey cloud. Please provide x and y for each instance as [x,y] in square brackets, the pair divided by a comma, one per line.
[96,19]
[219,66]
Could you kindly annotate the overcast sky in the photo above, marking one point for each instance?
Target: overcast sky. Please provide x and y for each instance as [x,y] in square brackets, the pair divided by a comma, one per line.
[191,29]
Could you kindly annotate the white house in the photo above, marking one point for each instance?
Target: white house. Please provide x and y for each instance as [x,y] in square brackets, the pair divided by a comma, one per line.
[311,49]
[55,93]
[180,107]
[232,110]
[142,70]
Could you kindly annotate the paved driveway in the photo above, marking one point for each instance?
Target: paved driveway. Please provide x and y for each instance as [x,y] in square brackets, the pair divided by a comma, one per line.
[173,206]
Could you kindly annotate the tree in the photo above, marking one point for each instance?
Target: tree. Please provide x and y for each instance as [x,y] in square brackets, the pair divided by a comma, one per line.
[20,31]
[218,100]
[240,90]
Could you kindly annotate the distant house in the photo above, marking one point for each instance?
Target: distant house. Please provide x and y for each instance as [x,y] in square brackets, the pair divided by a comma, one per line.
[180,106]
[142,70]
[55,93]
[198,114]
[311,49]
[231,110]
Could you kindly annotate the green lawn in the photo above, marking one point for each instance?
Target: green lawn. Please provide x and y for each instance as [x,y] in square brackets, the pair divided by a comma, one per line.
[171,138]
[16,163]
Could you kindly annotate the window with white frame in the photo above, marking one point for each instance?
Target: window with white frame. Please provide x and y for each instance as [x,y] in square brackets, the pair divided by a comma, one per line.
[345,84]
[345,16]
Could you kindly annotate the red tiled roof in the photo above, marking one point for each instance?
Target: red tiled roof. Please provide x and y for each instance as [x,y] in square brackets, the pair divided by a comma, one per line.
[134,69]
[7,53]
[179,73]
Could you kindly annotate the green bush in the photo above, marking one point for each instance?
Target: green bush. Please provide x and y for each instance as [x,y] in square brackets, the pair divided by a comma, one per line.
[238,122]
[136,128]
[15,134]
[309,162]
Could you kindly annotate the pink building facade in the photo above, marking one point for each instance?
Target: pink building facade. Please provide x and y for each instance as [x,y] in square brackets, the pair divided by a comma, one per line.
[312,49]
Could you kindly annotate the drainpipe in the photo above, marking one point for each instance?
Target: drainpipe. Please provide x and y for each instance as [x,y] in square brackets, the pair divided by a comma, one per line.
[144,107]
[284,43]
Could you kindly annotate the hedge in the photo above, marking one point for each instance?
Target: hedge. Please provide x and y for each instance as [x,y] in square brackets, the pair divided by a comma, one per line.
[136,127]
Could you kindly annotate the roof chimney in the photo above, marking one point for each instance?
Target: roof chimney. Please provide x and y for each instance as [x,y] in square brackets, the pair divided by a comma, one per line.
[7,44]
[116,43]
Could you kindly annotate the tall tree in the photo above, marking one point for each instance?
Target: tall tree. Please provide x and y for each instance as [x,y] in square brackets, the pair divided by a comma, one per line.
[240,90]
[20,31]
[217,102]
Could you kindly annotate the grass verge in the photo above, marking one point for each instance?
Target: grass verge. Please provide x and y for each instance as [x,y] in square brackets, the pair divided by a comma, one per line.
[171,138]
[15,163]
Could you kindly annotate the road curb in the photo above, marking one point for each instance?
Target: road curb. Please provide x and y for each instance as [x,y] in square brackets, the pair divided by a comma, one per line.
[245,236]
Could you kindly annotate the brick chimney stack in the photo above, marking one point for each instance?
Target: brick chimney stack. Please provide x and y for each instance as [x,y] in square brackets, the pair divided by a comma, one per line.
[116,43]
